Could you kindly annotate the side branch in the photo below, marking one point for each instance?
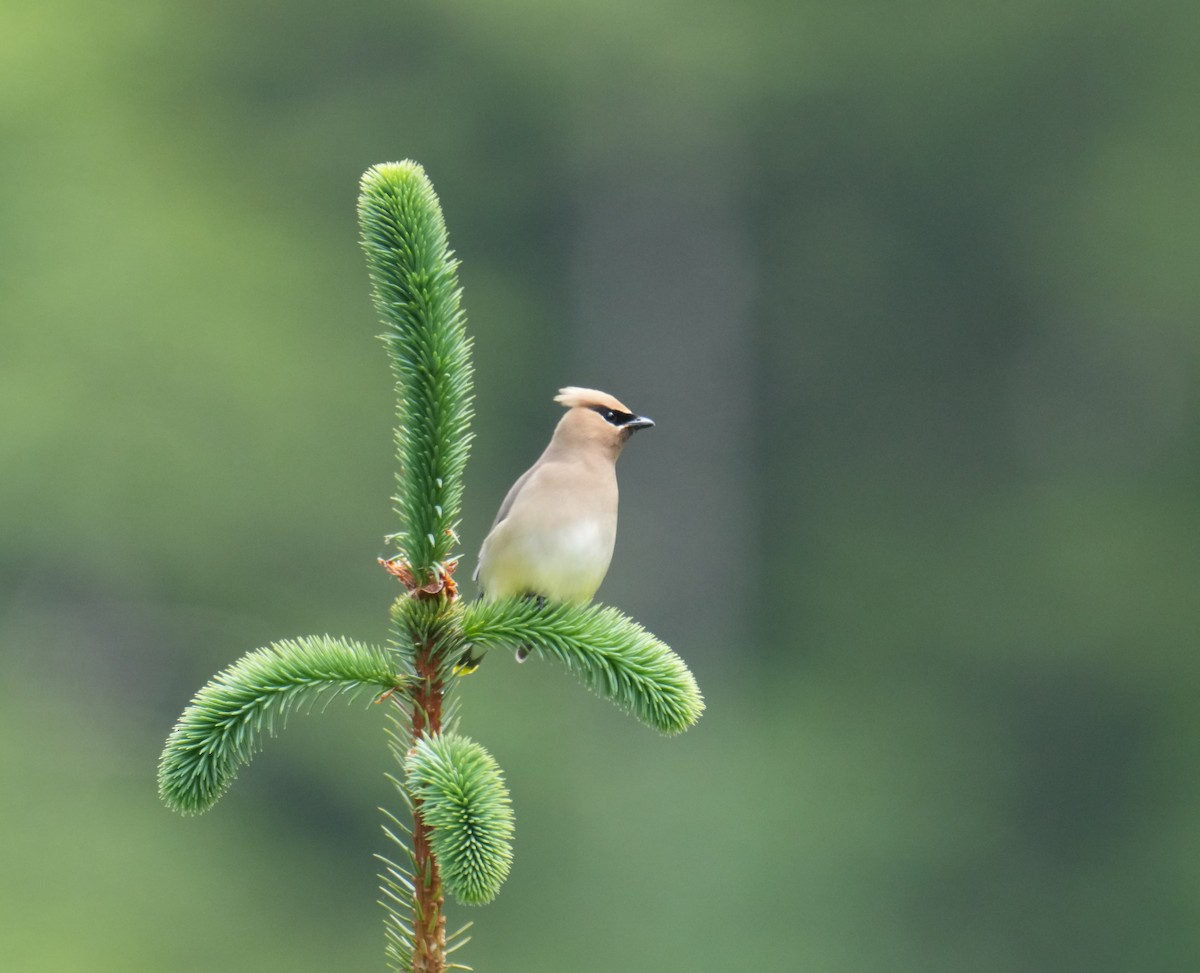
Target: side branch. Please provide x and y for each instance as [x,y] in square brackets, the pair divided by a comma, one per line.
[221,728]
[610,652]
[467,811]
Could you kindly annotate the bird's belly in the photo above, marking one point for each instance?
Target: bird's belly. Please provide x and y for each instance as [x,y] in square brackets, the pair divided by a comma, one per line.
[566,564]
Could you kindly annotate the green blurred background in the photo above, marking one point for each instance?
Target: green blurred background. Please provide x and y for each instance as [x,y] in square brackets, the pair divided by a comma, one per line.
[912,293]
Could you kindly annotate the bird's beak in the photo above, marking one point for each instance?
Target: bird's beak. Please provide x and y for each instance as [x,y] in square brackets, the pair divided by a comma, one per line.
[639,422]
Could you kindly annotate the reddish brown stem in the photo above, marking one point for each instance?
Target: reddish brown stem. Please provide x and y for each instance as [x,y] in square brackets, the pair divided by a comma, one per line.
[429,923]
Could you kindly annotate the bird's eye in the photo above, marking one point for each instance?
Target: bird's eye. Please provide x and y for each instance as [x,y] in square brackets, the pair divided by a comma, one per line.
[614,416]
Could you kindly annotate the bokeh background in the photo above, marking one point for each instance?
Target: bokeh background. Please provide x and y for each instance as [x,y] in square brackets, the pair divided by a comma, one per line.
[912,292]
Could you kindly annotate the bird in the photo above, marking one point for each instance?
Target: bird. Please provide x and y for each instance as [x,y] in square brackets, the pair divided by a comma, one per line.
[553,538]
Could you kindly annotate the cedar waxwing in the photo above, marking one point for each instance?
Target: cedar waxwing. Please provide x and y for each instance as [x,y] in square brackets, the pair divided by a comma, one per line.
[553,537]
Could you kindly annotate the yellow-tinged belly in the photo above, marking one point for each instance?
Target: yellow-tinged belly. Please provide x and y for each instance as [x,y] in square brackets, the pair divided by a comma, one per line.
[562,564]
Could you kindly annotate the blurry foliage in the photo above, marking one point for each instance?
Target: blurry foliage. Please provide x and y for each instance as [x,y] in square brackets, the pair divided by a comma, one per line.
[949,641]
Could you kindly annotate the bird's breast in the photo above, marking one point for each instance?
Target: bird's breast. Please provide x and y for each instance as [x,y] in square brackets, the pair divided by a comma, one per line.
[563,560]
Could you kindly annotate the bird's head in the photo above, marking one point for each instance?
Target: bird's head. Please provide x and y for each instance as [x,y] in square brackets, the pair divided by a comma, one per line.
[596,419]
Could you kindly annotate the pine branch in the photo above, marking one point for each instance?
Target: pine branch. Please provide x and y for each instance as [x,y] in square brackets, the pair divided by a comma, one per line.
[415,284]
[462,824]
[222,727]
[466,805]
[610,652]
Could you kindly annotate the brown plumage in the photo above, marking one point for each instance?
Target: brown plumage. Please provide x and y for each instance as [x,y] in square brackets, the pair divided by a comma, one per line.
[553,537]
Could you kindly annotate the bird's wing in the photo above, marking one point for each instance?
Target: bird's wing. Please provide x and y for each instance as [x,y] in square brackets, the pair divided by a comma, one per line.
[511,496]
[506,506]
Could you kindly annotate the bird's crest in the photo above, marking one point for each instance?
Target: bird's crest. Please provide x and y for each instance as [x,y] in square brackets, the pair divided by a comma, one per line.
[574,397]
